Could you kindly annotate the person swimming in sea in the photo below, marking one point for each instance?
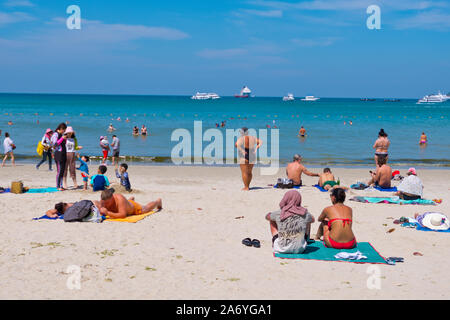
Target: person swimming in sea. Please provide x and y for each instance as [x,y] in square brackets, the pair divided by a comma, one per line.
[143,130]
[135,131]
[423,138]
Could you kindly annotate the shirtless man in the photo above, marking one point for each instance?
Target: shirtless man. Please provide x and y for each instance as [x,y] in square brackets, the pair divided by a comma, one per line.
[327,180]
[295,169]
[302,132]
[115,205]
[383,174]
[247,146]
[381,146]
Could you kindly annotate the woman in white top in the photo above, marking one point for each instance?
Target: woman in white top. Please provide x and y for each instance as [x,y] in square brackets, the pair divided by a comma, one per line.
[71,147]
[411,187]
[8,146]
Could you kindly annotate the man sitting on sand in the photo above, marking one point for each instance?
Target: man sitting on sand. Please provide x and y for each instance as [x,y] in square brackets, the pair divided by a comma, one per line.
[295,169]
[115,205]
[382,176]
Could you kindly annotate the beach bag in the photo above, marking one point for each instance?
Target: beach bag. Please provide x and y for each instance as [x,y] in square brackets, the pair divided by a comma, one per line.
[17,187]
[285,183]
[78,211]
[40,148]
[94,216]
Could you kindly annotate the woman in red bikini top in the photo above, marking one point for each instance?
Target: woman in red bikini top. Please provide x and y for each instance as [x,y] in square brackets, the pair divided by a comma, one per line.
[337,223]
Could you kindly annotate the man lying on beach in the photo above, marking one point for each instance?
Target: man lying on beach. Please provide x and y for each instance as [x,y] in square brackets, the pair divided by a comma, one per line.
[295,169]
[115,205]
[247,147]
[382,176]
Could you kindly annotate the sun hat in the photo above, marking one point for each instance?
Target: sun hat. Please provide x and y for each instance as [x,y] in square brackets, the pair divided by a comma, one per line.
[435,221]
[48,130]
[102,137]
[412,171]
[68,130]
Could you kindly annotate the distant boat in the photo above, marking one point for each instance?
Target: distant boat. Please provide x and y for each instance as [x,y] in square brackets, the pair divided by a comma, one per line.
[289,97]
[392,100]
[367,99]
[310,98]
[245,93]
[434,98]
[205,96]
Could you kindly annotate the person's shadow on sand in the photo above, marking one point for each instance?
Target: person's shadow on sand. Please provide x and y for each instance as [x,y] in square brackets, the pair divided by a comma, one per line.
[259,188]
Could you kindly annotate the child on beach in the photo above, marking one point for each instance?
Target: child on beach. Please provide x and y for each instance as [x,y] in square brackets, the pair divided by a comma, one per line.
[104,144]
[122,174]
[100,181]
[84,169]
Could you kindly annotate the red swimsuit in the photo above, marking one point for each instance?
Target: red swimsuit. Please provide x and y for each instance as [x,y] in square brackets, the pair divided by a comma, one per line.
[340,245]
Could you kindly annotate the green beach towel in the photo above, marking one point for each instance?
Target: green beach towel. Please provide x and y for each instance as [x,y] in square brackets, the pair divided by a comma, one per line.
[318,251]
[42,190]
[393,200]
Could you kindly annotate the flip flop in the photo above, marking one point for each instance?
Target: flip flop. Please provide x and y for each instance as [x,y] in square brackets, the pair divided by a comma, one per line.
[256,243]
[247,242]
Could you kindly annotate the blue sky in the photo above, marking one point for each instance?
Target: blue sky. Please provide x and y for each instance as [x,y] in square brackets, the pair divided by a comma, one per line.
[319,47]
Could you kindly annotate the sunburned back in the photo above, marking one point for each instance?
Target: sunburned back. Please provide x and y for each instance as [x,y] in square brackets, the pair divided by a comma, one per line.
[341,231]
[294,172]
[385,176]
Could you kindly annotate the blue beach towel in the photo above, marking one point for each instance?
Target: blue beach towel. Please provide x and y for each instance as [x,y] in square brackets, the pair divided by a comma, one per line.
[318,251]
[422,228]
[45,217]
[320,188]
[42,190]
[393,200]
[294,187]
[7,190]
[393,189]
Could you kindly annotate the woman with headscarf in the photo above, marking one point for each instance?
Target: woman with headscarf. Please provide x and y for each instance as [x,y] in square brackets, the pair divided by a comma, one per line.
[336,223]
[59,145]
[290,226]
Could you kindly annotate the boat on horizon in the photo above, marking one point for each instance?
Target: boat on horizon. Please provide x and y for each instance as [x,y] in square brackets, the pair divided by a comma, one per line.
[310,98]
[205,96]
[367,99]
[434,98]
[289,97]
[245,93]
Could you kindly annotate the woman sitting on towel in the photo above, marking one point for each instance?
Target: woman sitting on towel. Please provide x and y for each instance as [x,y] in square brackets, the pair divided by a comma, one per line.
[411,187]
[336,223]
[290,225]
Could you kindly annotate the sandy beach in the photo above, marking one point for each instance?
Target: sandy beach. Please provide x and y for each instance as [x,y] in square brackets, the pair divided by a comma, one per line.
[192,248]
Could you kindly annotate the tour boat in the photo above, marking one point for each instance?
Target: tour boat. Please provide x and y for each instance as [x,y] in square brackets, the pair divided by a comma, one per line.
[245,93]
[434,98]
[289,97]
[310,98]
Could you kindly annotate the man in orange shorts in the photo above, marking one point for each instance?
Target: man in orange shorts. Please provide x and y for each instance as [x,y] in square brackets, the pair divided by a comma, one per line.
[115,205]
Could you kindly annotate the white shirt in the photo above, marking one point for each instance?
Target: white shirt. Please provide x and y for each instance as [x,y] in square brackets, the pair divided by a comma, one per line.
[7,145]
[412,185]
[70,145]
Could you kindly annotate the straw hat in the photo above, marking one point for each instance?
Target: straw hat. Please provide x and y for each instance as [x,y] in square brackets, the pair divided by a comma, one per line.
[436,221]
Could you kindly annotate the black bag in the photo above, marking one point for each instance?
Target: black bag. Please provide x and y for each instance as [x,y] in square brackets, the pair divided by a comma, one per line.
[285,183]
[78,211]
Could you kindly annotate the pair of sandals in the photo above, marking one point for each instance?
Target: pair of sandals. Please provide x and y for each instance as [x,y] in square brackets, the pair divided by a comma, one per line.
[393,260]
[251,243]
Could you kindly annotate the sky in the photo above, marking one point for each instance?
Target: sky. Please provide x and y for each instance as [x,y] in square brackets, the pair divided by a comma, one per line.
[178,47]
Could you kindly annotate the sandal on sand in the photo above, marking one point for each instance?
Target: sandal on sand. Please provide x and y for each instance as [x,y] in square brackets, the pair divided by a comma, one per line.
[256,243]
[247,242]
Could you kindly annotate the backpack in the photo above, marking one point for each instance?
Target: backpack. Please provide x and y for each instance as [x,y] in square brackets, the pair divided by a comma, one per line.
[78,211]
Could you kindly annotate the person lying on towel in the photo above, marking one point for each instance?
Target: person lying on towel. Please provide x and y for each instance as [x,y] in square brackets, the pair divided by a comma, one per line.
[382,176]
[336,223]
[116,206]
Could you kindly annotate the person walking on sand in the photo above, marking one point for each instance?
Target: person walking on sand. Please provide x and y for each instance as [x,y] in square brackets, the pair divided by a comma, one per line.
[247,147]
[115,144]
[381,146]
[115,205]
[295,169]
[47,152]
[60,154]
[8,147]
[104,144]
[71,147]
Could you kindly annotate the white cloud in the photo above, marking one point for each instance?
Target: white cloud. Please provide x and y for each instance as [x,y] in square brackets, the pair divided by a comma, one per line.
[14,17]
[432,20]
[18,3]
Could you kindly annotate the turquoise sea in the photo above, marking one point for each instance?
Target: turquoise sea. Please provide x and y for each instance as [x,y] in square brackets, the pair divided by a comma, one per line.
[329,141]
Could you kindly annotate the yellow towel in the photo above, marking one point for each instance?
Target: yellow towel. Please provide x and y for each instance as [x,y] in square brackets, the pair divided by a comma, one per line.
[132,219]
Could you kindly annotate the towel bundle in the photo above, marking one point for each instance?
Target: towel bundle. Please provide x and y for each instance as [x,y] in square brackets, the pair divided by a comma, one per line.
[350,255]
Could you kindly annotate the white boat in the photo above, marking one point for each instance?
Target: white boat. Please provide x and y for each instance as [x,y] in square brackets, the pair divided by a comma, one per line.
[310,98]
[289,97]
[205,96]
[245,93]
[434,98]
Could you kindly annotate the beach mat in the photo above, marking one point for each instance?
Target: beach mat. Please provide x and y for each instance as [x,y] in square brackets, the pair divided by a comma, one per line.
[320,188]
[393,189]
[45,217]
[6,190]
[294,187]
[422,228]
[132,219]
[392,200]
[42,190]
[318,251]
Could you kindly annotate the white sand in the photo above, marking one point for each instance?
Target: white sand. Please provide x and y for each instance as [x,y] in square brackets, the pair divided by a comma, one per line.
[186,253]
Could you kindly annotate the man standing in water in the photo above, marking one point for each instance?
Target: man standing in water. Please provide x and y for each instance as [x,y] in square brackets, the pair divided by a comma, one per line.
[302,132]
[247,146]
